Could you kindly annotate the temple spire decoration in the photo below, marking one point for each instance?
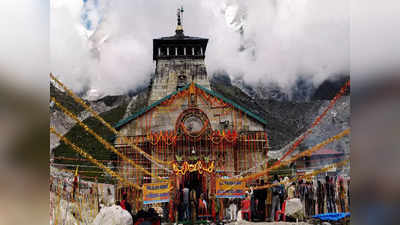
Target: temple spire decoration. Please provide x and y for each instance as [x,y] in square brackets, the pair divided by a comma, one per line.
[179,27]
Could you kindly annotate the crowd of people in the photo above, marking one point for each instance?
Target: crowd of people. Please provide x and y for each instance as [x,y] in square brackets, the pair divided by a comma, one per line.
[317,196]
[191,204]
[329,195]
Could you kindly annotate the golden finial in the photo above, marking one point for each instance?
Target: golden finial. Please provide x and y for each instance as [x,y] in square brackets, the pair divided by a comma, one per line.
[179,27]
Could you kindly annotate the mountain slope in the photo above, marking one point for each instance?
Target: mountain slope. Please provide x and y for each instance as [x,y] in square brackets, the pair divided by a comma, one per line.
[285,120]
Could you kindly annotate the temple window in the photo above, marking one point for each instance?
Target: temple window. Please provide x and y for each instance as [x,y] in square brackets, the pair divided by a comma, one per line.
[180,51]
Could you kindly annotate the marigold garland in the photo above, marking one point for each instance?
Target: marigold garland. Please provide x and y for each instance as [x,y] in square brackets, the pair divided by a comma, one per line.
[302,154]
[107,145]
[186,167]
[93,160]
[317,121]
[96,115]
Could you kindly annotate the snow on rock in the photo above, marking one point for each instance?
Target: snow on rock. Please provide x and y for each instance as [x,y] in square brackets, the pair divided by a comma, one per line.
[113,215]
[93,95]
[63,123]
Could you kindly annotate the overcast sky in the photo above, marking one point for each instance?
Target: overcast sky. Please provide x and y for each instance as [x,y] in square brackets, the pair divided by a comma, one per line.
[108,44]
[288,37]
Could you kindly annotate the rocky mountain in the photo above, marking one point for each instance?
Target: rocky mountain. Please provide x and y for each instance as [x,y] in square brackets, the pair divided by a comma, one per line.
[288,116]
[303,89]
[64,123]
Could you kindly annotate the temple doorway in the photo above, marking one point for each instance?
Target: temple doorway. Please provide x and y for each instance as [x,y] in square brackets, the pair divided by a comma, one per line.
[196,181]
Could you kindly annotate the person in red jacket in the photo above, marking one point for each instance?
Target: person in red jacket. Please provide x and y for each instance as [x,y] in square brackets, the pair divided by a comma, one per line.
[246,206]
[125,204]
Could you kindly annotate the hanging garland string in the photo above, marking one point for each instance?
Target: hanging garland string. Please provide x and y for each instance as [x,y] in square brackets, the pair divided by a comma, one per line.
[256,147]
[317,120]
[221,154]
[107,145]
[308,175]
[233,119]
[93,160]
[253,151]
[302,154]
[95,114]
[213,100]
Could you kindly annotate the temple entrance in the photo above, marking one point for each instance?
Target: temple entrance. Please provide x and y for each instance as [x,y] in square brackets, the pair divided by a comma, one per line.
[196,181]
[196,188]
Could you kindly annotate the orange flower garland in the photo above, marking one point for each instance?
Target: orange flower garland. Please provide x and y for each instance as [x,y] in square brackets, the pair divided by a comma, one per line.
[186,167]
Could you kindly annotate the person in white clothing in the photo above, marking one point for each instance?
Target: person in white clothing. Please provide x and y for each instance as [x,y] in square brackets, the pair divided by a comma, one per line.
[233,211]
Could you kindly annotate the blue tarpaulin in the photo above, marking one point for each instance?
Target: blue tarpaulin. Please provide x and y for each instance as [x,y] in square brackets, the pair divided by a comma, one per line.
[331,216]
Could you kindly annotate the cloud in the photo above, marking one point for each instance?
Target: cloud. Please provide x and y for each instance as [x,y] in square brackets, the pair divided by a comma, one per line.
[289,38]
[282,39]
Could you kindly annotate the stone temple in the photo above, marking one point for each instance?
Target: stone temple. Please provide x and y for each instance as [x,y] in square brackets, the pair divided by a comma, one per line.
[190,135]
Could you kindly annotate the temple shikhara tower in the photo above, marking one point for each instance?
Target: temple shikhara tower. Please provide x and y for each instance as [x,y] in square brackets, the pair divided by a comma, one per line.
[189,134]
[179,61]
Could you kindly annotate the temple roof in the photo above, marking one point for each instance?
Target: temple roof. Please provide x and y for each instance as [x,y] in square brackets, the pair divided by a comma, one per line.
[210,92]
[180,37]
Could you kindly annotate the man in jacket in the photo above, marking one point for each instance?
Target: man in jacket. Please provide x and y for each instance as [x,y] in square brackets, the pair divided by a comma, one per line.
[276,193]
[330,194]
[262,196]
[320,198]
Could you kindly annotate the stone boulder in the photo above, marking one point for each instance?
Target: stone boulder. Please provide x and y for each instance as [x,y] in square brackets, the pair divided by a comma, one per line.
[113,215]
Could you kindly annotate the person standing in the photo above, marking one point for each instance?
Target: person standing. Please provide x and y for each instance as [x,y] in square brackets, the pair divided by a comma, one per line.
[177,205]
[330,195]
[269,202]
[252,203]
[276,193]
[342,196]
[125,204]
[348,193]
[233,210]
[310,193]
[320,198]
[315,198]
[202,206]
[283,193]
[302,195]
[193,204]
[180,203]
[245,206]
[262,195]
[307,198]
[334,193]
[186,206]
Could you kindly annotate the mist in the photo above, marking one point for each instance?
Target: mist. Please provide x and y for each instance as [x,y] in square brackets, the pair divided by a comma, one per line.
[107,45]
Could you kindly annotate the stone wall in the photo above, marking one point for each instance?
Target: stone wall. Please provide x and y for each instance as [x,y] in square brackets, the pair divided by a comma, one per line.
[166,76]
